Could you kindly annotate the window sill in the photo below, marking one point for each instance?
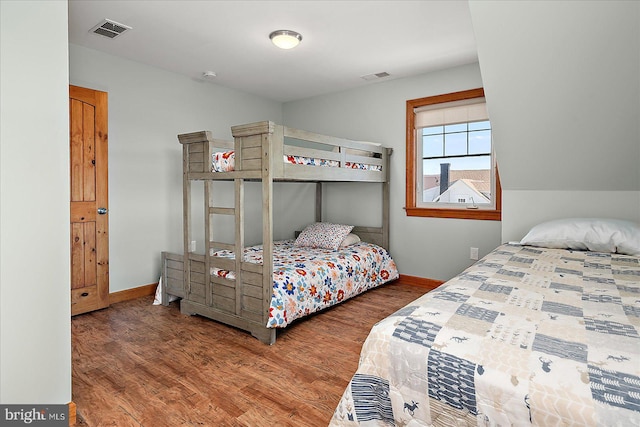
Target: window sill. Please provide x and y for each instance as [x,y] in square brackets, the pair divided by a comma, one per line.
[479,214]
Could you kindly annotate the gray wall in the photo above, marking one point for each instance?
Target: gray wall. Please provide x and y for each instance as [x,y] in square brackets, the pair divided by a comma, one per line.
[35,326]
[148,107]
[433,248]
[561,169]
[562,81]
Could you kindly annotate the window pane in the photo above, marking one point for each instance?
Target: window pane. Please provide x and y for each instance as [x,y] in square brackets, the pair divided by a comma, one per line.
[469,180]
[480,125]
[455,144]
[480,142]
[432,146]
[431,166]
[433,130]
[469,163]
[462,127]
[430,180]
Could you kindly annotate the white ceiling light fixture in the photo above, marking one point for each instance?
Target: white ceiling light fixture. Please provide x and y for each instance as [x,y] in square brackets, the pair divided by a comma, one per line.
[285,39]
[209,75]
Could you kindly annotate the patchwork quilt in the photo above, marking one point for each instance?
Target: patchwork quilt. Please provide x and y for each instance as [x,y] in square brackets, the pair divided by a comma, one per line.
[307,280]
[526,336]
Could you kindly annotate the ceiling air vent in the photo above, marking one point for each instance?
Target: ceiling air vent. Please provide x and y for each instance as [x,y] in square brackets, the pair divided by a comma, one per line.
[109,28]
[376,76]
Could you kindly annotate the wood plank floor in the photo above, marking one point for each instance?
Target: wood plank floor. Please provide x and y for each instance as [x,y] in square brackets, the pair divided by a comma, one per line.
[136,364]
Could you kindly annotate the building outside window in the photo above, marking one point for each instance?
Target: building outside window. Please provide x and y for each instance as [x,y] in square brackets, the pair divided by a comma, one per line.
[451,168]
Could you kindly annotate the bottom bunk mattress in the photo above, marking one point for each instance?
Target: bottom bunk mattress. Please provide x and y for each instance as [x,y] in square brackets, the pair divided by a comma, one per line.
[308,280]
[526,336]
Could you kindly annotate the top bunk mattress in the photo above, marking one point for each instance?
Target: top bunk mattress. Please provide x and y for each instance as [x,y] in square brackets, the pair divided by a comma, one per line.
[224,161]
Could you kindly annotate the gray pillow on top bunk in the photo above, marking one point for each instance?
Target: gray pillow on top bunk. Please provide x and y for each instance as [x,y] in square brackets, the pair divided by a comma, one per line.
[323,235]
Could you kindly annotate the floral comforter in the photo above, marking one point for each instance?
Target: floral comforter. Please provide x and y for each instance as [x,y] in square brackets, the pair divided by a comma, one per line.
[224,161]
[526,336]
[308,280]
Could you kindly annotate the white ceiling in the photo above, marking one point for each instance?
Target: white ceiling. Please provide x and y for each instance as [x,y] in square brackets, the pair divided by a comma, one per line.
[342,40]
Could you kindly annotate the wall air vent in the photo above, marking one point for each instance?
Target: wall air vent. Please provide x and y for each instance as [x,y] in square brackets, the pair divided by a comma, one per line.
[109,28]
[376,76]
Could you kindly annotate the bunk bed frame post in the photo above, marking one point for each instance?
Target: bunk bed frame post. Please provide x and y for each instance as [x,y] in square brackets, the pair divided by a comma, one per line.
[239,240]
[386,200]
[318,201]
[208,232]
[251,141]
[186,216]
[239,229]
[267,225]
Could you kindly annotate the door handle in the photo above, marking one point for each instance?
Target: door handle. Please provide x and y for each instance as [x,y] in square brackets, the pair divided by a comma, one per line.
[102,211]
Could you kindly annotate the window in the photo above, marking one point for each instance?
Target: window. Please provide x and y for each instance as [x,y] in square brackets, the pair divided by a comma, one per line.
[451,170]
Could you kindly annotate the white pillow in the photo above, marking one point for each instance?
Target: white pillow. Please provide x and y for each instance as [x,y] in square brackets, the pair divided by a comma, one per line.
[593,234]
[323,235]
[351,239]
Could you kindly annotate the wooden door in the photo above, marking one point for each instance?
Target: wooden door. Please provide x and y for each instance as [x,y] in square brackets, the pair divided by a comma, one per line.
[88,144]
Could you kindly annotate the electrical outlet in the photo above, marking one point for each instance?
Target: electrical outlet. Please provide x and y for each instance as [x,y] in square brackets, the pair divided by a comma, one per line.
[192,246]
[473,253]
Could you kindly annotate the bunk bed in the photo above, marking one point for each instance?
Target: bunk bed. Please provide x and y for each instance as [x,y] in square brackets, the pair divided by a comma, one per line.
[242,291]
[540,332]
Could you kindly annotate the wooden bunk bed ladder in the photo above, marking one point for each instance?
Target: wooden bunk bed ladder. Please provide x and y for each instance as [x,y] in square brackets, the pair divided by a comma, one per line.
[244,301]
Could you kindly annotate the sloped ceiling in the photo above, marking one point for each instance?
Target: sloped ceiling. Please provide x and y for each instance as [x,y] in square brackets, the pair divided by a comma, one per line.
[562,81]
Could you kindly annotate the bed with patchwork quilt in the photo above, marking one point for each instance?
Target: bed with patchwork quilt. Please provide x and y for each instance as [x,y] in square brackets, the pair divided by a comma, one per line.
[529,335]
